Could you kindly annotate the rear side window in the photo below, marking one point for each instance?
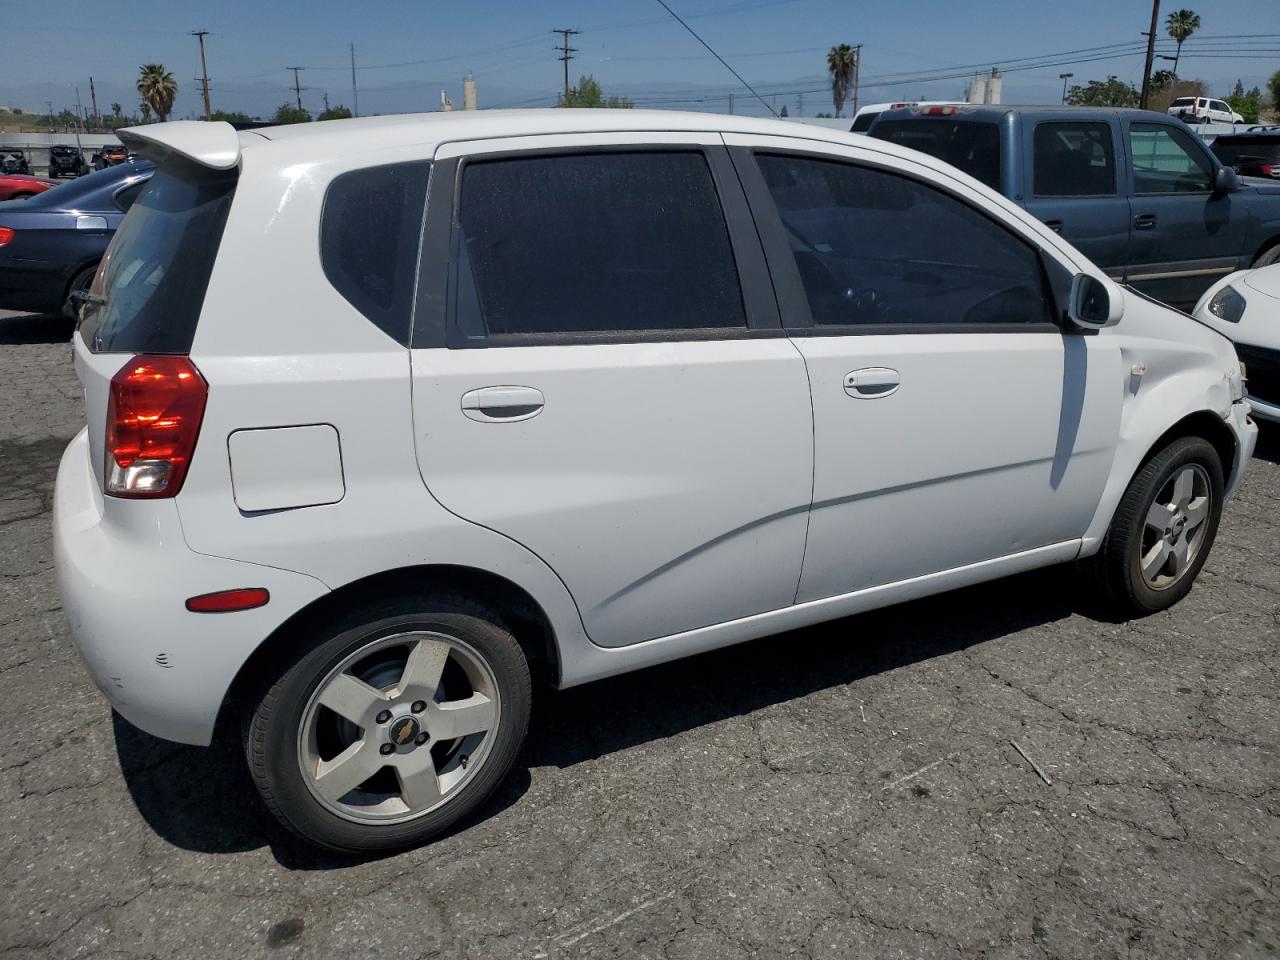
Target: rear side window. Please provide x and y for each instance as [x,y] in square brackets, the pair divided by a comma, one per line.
[1236,151]
[595,244]
[369,236]
[1074,160]
[972,146]
[151,285]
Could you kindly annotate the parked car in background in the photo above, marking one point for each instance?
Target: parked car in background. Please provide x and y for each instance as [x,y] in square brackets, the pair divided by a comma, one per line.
[19,186]
[14,160]
[1138,192]
[1203,110]
[1251,153]
[66,161]
[1246,307]
[109,156]
[50,244]
[589,389]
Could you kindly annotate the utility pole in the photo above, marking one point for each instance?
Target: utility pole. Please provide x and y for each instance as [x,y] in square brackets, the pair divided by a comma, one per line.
[355,95]
[857,66]
[1151,52]
[79,124]
[326,100]
[297,86]
[566,54]
[49,104]
[93,96]
[204,72]
[731,104]
[1064,77]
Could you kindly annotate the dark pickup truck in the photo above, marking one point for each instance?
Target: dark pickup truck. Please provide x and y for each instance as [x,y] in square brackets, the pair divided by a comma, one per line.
[1137,192]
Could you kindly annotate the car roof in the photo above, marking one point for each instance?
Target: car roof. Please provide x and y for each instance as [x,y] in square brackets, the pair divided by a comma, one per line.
[93,191]
[219,146]
[993,111]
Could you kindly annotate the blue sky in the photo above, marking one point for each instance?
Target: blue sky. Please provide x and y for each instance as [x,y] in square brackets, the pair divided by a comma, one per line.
[406,52]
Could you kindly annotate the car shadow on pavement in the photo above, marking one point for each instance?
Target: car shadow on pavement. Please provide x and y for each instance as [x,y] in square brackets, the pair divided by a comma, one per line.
[202,799]
[31,328]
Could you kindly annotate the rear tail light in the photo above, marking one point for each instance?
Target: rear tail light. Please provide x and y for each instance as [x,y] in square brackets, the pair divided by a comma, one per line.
[6,234]
[938,111]
[1267,171]
[153,421]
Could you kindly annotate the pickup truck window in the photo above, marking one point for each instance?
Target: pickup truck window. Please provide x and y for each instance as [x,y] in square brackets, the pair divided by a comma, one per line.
[971,145]
[1166,161]
[1074,159]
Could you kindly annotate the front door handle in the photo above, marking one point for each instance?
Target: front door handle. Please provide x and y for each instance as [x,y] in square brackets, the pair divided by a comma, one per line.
[502,404]
[871,383]
[1144,221]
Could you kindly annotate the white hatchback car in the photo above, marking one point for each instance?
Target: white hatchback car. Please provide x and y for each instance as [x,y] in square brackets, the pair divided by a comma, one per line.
[1245,306]
[381,411]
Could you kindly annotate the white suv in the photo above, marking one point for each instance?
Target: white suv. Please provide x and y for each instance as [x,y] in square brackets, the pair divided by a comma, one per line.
[382,412]
[1203,110]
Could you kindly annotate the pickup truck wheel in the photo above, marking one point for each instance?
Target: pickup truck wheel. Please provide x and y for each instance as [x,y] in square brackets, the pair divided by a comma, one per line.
[397,724]
[1269,256]
[1162,530]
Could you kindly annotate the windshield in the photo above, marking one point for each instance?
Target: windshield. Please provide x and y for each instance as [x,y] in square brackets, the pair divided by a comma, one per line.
[150,287]
[973,146]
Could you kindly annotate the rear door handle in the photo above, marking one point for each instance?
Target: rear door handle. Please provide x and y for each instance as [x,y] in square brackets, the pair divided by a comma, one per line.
[1144,221]
[502,404]
[871,383]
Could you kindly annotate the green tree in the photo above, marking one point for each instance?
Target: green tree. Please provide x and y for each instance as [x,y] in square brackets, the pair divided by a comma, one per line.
[1111,92]
[117,111]
[1163,79]
[157,89]
[1273,88]
[840,66]
[587,93]
[144,109]
[288,113]
[230,116]
[1248,105]
[1180,25]
[783,111]
[334,113]
[1163,95]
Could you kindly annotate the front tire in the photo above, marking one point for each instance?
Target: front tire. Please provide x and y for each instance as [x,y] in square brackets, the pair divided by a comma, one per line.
[1162,530]
[393,728]
[1269,256]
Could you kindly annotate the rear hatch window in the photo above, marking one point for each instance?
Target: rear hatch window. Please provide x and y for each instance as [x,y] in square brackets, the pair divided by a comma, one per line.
[150,288]
[971,145]
[1231,151]
[1183,102]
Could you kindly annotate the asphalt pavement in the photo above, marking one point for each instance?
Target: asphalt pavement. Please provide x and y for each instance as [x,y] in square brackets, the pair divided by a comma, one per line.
[871,788]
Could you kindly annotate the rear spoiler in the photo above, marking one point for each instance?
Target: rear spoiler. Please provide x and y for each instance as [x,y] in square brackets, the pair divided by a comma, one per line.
[212,144]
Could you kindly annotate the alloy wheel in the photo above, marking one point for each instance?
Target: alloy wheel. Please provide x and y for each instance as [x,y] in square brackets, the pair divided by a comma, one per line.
[1175,527]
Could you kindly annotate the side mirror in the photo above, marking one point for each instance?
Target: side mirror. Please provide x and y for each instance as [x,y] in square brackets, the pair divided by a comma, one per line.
[1092,305]
[1225,181]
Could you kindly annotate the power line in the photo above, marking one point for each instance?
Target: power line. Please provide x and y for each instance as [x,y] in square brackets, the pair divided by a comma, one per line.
[722,60]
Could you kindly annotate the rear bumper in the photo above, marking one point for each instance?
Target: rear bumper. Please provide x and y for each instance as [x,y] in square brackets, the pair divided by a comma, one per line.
[125,573]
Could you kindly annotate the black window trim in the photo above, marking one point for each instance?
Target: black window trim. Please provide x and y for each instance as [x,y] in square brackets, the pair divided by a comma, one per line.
[435,321]
[1115,168]
[786,275]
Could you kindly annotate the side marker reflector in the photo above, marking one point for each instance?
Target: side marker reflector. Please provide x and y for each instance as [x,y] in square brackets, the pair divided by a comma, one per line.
[227,601]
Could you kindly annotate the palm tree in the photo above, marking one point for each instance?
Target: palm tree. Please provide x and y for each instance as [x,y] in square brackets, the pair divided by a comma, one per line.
[840,65]
[117,111]
[144,108]
[1180,25]
[158,88]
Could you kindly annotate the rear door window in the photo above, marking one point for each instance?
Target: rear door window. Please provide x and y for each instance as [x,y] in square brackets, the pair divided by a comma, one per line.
[1074,159]
[971,145]
[150,288]
[369,237]
[594,244]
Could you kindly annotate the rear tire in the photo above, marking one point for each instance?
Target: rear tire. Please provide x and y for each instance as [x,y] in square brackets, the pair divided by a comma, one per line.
[434,697]
[80,281]
[1162,530]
